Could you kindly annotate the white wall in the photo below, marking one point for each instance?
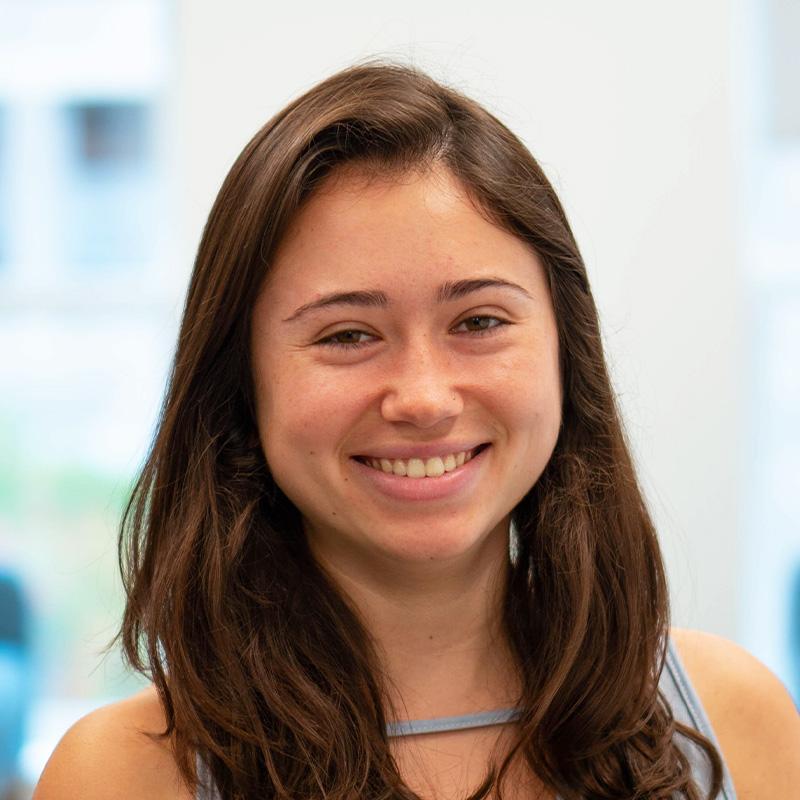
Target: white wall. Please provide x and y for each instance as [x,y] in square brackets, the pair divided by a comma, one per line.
[627,107]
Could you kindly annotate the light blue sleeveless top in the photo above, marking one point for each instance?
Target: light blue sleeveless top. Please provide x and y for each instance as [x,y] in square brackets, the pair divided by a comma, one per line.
[674,684]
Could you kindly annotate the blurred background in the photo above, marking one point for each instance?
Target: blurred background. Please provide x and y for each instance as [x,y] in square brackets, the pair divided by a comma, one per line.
[671,132]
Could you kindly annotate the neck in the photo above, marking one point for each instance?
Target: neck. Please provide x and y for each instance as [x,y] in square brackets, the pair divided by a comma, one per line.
[437,627]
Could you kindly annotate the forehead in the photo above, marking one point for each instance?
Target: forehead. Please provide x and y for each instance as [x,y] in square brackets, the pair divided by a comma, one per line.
[360,229]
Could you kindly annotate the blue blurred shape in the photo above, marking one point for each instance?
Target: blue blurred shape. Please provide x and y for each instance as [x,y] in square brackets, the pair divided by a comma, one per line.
[15,675]
[108,214]
[794,634]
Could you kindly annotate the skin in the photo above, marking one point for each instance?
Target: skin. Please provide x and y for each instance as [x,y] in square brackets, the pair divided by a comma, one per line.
[479,368]
[426,575]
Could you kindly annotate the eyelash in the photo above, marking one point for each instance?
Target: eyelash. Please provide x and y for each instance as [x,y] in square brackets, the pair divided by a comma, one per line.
[329,341]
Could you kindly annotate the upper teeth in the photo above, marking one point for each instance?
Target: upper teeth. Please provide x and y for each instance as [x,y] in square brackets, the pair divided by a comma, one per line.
[421,467]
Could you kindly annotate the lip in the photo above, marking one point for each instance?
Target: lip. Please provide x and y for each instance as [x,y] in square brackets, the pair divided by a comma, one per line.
[446,486]
[431,450]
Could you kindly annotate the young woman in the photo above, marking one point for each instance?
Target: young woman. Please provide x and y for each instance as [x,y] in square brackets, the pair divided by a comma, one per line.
[389,542]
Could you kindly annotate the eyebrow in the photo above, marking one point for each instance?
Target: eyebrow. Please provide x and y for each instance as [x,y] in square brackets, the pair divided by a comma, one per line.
[448,291]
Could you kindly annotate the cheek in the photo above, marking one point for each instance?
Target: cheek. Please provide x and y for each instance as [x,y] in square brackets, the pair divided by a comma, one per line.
[529,405]
[528,382]
[300,414]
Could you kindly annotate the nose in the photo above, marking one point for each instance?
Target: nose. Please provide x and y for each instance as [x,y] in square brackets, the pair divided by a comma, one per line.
[422,389]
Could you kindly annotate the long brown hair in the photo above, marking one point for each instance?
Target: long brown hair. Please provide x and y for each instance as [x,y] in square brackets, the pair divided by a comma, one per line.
[264,669]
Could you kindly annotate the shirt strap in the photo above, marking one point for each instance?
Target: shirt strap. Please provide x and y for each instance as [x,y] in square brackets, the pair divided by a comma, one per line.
[458,723]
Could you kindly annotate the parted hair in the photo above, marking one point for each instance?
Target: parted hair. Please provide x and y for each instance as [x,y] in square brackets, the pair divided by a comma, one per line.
[267,675]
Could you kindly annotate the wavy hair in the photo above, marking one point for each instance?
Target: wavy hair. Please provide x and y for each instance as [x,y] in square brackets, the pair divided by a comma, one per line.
[265,671]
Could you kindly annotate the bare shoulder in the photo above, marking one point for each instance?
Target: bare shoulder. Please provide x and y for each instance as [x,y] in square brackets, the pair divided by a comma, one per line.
[751,711]
[108,754]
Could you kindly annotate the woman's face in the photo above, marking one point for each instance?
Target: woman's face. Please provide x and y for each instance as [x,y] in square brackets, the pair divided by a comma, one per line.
[401,335]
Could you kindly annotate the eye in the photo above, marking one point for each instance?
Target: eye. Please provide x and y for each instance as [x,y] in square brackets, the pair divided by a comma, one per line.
[480,324]
[347,339]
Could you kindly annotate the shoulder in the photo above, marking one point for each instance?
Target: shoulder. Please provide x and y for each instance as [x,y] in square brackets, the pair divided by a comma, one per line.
[108,754]
[750,710]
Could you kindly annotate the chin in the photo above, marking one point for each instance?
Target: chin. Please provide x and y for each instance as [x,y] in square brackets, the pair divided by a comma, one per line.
[427,543]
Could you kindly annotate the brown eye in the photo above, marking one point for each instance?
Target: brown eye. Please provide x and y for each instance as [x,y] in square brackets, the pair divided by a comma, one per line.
[479,324]
[346,338]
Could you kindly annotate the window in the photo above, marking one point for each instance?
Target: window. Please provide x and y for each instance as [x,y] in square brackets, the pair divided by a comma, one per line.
[109,184]
[4,209]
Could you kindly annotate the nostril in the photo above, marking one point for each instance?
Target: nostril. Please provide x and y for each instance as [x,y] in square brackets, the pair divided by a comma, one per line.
[421,411]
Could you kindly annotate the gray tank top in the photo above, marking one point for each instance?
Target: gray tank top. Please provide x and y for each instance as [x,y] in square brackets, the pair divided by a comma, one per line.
[674,684]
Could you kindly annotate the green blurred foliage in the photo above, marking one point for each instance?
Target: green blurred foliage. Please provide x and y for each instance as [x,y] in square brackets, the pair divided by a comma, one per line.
[58,527]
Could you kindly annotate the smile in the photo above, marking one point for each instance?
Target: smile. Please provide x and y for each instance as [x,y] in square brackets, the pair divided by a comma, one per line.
[412,467]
